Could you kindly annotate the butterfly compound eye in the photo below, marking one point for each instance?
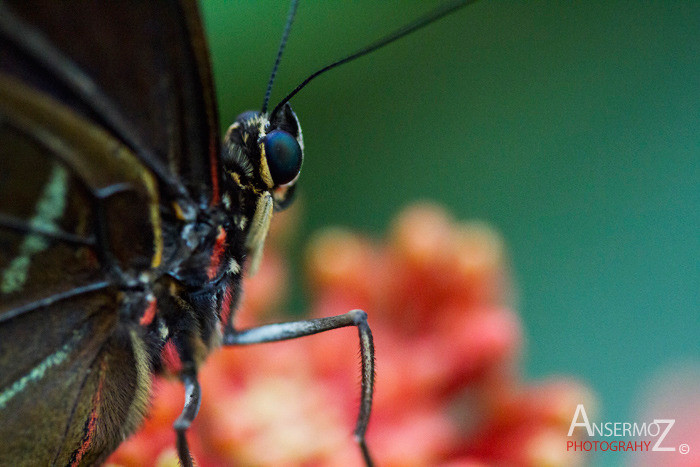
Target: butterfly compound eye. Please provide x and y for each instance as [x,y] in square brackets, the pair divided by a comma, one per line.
[283,155]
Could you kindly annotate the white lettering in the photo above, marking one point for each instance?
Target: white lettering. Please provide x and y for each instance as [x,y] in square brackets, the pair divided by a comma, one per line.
[669,423]
[580,410]
[658,429]
[639,430]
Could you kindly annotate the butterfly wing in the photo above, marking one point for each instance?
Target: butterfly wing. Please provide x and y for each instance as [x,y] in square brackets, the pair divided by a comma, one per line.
[73,387]
[106,117]
[139,68]
[64,327]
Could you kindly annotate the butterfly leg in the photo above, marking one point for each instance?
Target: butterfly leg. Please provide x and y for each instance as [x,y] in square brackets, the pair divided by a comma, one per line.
[295,329]
[193,399]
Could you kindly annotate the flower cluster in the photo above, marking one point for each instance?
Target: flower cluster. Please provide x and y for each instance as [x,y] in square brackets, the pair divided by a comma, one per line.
[448,389]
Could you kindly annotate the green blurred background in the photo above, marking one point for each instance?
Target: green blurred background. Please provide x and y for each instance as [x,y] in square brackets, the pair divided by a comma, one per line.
[572,127]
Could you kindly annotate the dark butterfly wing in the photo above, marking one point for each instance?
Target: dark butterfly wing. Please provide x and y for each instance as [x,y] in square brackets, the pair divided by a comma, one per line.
[140,69]
[74,389]
[106,119]
[74,202]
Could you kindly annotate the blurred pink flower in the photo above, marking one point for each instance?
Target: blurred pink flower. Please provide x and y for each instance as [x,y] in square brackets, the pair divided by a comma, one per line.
[448,388]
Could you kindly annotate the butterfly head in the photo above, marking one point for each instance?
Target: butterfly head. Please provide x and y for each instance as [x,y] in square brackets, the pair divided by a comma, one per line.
[262,158]
[263,153]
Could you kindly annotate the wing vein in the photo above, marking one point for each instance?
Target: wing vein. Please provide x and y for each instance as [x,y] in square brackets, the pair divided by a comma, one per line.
[36,47]
[58,297]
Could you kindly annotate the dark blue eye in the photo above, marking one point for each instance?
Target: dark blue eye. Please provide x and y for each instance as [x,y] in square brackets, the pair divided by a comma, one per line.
[283,156]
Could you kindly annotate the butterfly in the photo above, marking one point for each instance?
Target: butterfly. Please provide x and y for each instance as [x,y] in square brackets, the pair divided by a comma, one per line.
[126,224]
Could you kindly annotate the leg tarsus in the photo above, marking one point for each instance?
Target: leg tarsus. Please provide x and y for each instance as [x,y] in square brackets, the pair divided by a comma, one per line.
[193,399]
[183,450]
[367,355]
[366,456]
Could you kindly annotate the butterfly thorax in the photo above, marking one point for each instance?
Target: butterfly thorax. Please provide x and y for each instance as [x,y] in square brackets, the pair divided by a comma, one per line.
[200,291]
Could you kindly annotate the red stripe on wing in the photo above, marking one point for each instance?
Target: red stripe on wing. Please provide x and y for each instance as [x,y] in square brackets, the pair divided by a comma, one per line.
[91,422]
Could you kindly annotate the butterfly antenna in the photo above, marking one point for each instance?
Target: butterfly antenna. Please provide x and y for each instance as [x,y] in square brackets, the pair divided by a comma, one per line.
[441,11]
[283,43]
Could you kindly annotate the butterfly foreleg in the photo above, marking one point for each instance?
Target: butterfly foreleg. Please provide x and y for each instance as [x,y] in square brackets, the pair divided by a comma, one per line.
[292,330]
